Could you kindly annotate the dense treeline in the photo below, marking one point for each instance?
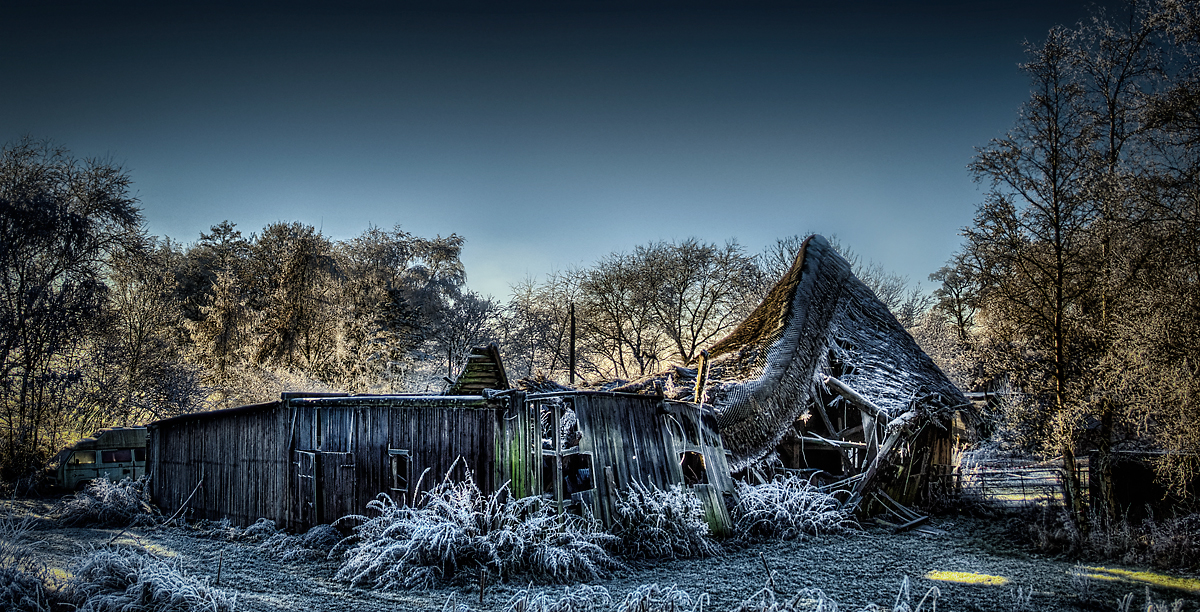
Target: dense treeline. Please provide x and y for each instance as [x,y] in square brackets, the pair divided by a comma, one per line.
[104,325]
[1079,278]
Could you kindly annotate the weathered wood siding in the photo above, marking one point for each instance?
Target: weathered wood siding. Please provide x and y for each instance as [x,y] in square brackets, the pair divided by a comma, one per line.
[310,460]
[232,459]
[638,438]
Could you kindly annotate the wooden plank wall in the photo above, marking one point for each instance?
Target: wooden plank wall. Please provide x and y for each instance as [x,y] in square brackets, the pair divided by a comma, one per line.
[232,458]
[517,442]
[624,434]
[251,464]
[269,461]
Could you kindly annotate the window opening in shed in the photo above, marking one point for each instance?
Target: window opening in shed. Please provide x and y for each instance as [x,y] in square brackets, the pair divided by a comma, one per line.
[400,462]
[568,425]
[83,458]
[577,473]
[123,455]
[692,464]
[317,428]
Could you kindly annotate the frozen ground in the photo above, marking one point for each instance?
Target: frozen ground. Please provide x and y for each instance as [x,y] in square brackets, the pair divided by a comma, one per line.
[854,570]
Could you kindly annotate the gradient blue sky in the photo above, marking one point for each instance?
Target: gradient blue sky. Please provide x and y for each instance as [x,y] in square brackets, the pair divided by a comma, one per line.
[547,134]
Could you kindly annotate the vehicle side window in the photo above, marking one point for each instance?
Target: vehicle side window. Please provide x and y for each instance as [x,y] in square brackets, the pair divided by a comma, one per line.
[123,455]
[83,457]
[139,454]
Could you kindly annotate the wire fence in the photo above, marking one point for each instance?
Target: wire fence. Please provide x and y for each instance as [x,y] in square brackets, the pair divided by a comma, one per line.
[1013,483]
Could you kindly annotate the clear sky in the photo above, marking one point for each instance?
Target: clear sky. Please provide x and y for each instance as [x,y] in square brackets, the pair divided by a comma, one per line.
[547,134]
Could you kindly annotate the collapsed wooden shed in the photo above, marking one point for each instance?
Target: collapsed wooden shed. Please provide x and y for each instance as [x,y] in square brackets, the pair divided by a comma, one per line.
[821,379]
[306,460]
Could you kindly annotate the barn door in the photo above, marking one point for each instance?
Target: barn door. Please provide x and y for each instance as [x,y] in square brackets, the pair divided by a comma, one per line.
[306,488]
[336,482]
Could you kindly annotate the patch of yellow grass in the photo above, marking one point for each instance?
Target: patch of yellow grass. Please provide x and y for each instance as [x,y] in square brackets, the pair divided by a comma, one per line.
[1191,585]
[160,550]
[966,578]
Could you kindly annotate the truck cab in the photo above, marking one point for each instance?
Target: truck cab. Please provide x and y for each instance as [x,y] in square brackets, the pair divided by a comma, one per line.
[115,453]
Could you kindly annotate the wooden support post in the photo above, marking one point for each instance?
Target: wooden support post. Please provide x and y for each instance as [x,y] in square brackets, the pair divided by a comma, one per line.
[847,464]
[571,358]
[701,377]
[896,430]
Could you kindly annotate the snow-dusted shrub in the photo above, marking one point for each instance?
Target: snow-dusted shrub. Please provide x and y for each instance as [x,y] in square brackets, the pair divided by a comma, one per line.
[658,524]
[313,544]
[584,598]
[651,598]
[787,508]
[455,526]
[105,503]
[26,584]
[125,579]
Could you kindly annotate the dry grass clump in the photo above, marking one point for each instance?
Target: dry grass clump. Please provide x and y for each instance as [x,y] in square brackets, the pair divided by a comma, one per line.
[765,600]
[105,503]
[457,530]
[125,579]
[1171,543]
[662,524]
[26,584]
[651,598]
[1126,604]
[584,598]
[787,508]
[313,544]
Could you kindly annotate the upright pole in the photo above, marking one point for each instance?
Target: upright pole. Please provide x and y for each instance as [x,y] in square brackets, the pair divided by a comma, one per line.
[571,359]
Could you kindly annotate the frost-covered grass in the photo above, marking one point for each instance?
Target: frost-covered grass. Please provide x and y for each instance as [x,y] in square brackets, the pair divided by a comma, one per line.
[787,508]
[105,503]
[456,530]
[655,523]
[583,598]
[652,598]
[26,584]
[124,579]
[314,544]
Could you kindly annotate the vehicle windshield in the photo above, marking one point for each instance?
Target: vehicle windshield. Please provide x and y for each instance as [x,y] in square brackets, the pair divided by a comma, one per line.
[58,459]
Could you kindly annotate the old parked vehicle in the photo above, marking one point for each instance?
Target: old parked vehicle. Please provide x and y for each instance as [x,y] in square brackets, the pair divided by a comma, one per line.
[115,453]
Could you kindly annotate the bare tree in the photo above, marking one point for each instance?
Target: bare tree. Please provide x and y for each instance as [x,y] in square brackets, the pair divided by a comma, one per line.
[59,219]
[1030,236]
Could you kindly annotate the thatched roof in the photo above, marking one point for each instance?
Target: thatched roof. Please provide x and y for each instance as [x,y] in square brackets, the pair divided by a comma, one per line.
[764,374]
[767,372]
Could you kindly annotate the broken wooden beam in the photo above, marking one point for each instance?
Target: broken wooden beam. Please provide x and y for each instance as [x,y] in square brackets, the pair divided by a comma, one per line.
[853,397]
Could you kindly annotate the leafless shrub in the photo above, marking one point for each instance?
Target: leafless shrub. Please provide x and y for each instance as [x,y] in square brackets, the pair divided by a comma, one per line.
[655,524]
[26,584]
[1164,543]
[787,508]
[583,598]
[456,526]
[1170,543]
[125,579]
[105,503]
